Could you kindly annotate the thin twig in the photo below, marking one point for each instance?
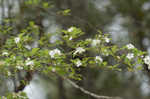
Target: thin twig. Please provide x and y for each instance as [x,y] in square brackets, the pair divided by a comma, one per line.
[90,93]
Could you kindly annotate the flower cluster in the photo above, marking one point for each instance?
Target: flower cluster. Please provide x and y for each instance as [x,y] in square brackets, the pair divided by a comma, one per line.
[98,59]
[54,52]
[79,50]
[8,73]
[70,29]
[29,62]
[95,42]
[17,40]
[130,55]
[80,47]
[5,53]
[107,40]
[19,67]
[78,63]
[130,46]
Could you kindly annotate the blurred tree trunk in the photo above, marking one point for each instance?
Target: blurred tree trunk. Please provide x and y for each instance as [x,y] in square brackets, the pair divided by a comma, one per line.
[61,89]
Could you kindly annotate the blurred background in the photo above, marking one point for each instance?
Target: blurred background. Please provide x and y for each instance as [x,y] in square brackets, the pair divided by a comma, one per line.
[128,21]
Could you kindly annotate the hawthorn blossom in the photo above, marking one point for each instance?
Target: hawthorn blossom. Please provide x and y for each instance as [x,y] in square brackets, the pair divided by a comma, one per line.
[53,70]
[54,52]
[78,63]
[147,60]
[29,62]
[79,50]
[107,40]
[17,39]
[70,29]
[98,59]
[19,67]
[130,46]
[70,38]
[5,53]
[130,55]
[9,73]
[89,39]
[142,56]
[95,42]
[28,47]
[105,53]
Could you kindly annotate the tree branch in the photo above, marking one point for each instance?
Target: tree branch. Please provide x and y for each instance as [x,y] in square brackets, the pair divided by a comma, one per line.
[90,93]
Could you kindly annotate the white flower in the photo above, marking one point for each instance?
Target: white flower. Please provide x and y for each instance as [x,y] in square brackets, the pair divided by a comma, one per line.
[142,56]
[19,67]
[89,39]
[79,50]
[9,73]
[53,70]
[70,38]
[148,67]
[78,63]
[54,52]
[28,59]
[98,59]
[28,47]
[147,60]
[107,40]
[130,55]
[70,29]
[17,39]
[105,53]
[95,42]
[29,62]
[5,53]
[130,46]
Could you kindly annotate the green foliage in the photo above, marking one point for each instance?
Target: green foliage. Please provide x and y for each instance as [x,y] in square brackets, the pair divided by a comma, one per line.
[65,12]
[54,58]
[20,95]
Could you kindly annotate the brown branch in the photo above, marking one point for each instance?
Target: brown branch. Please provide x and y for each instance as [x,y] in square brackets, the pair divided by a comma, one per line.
[24,82]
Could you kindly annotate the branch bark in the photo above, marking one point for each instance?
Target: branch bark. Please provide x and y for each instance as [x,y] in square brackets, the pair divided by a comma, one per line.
[90,93]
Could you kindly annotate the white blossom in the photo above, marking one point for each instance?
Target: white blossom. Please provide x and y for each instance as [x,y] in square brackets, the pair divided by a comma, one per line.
[28,59]
[28,47]
[29,62]
[5,53]
[53,70]
[105,53]
[9,73]
[70,38]
[17,39]
[95,42]
[142,56]
[107,40]
[147,60]
[79,50]
[19,67]
[89,39]
[130,46]
[78,63]
[98,59]
[70,29]
[130,55]
[54,52]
